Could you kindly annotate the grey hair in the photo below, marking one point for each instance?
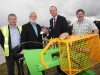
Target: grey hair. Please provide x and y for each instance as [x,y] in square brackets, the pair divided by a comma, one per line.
[54,6]
[11,15]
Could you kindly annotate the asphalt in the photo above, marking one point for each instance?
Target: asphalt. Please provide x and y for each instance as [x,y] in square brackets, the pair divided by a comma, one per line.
[2,57]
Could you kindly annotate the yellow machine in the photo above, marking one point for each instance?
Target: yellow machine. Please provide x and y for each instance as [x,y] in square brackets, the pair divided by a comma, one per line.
[76,53]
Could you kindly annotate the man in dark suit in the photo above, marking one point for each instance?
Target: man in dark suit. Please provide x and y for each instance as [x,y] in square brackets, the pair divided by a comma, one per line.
[97,23]
[58,25]
[10,38]
[31,32]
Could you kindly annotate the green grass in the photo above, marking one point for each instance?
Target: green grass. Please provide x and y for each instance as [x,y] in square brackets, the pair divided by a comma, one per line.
[3,70]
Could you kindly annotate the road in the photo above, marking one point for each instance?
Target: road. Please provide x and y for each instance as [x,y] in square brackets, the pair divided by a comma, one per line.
[2,57]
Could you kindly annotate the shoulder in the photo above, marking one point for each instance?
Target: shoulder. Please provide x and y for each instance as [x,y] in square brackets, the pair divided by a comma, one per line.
[51,19]
[26,25]
[61,17]
[88,21]
[74,23]
[38,25]
[4,27]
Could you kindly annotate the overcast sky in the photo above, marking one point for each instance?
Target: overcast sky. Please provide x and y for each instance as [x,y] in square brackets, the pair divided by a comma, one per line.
[67,8]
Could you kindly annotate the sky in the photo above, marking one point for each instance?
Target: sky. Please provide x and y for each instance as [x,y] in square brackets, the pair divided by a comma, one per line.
[66,8]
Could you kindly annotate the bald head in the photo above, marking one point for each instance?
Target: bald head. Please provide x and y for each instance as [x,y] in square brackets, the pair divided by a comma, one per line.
[32,17]
[32,14]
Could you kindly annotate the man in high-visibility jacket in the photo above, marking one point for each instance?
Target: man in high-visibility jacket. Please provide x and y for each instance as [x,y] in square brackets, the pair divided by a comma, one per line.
[10,38]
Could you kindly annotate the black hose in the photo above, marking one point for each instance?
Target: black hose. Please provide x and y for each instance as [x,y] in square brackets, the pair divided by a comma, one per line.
[19,48]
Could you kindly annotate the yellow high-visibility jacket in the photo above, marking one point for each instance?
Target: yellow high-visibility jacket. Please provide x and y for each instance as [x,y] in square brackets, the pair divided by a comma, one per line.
[5,32]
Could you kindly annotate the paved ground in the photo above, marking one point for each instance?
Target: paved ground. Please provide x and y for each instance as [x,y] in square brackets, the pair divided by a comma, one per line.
[2,58]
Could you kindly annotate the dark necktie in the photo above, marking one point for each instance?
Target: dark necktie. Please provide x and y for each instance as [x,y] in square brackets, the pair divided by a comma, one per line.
[54,22]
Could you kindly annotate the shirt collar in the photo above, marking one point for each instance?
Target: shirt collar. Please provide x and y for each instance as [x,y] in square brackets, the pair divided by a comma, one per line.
[81,22]
[33,24]
[11,26]
[55,17]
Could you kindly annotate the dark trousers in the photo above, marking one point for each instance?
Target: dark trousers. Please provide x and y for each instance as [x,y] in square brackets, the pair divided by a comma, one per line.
[10,61]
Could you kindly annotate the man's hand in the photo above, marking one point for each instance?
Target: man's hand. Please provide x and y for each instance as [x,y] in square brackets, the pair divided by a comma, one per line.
[63,36]
[44,30]
[45,39]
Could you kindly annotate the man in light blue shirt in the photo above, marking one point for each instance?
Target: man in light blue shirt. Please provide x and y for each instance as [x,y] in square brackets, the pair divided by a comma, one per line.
[10,38]
[31,32]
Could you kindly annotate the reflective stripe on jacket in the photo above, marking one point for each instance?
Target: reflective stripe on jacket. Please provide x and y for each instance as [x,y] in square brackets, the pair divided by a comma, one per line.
[5,32]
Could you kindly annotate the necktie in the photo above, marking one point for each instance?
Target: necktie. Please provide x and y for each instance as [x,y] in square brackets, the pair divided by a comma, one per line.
[54,22]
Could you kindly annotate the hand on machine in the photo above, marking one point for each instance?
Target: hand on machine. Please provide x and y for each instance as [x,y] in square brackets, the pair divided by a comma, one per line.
[63,36]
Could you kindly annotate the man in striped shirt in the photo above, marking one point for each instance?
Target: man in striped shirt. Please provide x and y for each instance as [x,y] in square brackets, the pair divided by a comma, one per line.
[82,25]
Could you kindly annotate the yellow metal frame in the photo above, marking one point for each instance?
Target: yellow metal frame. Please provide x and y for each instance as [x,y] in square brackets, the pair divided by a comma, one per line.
[44,50]
[70,39]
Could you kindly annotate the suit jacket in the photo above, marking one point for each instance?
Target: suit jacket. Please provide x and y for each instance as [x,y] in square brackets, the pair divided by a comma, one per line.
[9,41]
[28,34]
[61,27]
